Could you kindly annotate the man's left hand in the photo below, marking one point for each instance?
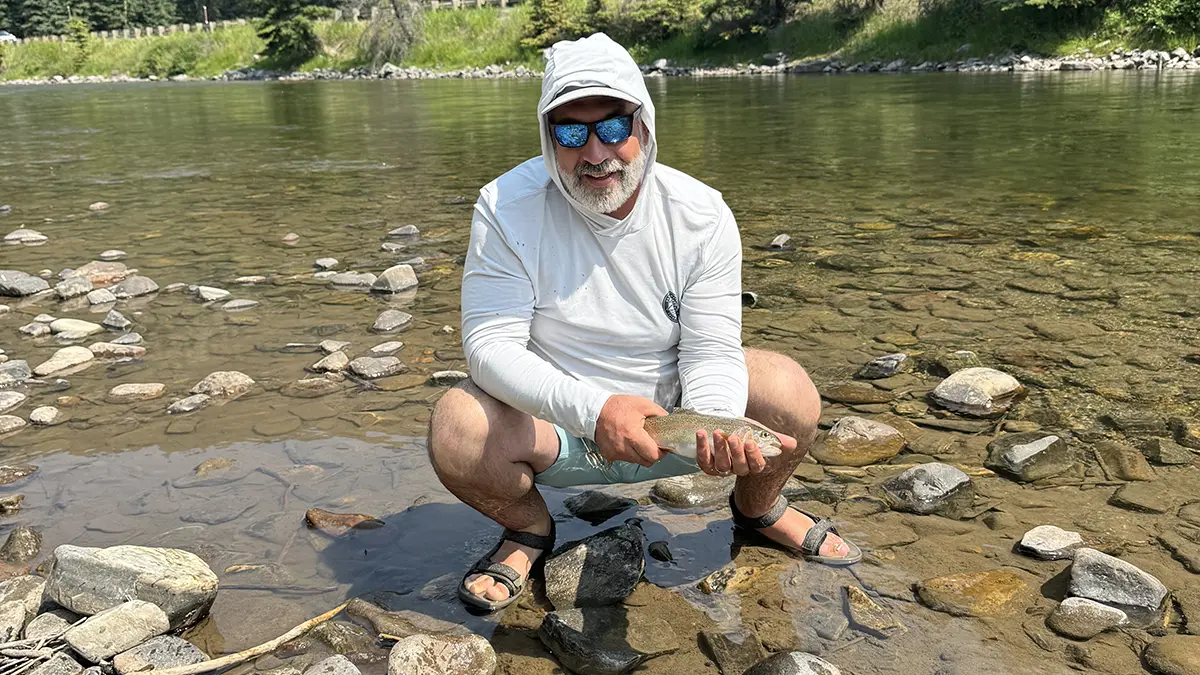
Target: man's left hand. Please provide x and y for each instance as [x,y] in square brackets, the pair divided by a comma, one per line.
[726,455]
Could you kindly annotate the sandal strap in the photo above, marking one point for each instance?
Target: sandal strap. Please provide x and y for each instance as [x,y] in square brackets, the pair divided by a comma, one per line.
[766,520]
[541,542]
[816,535]
[502,573]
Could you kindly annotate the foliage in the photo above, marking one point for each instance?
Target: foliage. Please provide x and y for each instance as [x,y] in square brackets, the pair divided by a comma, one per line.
[551,21]
[288,30]
[732,19]
[392,34]
[81,42]
[632,22]
[1166,18]
[170,57]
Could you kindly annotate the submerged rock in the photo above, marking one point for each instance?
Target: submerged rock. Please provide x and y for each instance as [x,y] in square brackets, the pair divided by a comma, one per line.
[870,615]
[442,655]
[1028,456]
[337,524]
[112,350]
[132,287]
[224,384]
[692,490]
[1121,462]
[402,623]
[131,392]
[1083,619]
[600,570]
[885,366]
[14,283]
[189,404]
[164,651]
[371,368]
[732,652]
[855,441]
[1048,542]
[855,393]
[991,593]
[1112,581]
[793,663]
[311,387]
[115,630]
[385,348]
[14,372]
[67,357]
[930,488]
[980,392]
[605,640]
[390,320]
[395,279]
[596,507]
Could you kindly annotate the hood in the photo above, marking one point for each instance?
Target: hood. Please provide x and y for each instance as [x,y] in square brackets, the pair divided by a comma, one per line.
[596,66]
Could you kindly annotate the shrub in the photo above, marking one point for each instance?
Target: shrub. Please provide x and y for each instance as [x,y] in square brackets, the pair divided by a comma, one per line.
[170,57]
[80,40]
[391,34]
[288,30]
[644,22]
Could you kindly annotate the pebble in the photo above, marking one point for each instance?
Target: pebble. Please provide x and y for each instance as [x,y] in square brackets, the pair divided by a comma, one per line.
[595,507]
[210,294]
[75,326]
[291,236]
[116,321]
[59,664]
[337,524]
[73,287]
[101,296]
[599,570]
[1048,542]
[131,392]
[979,392]
[371,368]
[1143,497]
[404,231]
[134,286]
[1174,655]
[1083,619]
[733,652]
[112,254]
[442,655]
[164,651]
[869,615]
[392,247]
[930,488]
[326,263]
[67,357]
[331,346]
[127,339]
[385,348]
[692,490]
[35,329]
[447,378]
[46,416]
[189,404]
[856,441]
[224,384]
[1121,462]
[390,320]
[336,362]
[991,593]
[334,665]
[18,284]
[10,423]
[1166,452]
[885,366]
[793,663]
[98,206]
[1028,456]
[112,350]
[605,640]
[250,280]
[311,387]
[395,279]
[239,305]
[50,624]
[117,629]
[1112,581]
[11,400]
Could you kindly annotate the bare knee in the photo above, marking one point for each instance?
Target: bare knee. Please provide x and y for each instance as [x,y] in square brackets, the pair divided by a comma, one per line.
[458,431]
[782,396]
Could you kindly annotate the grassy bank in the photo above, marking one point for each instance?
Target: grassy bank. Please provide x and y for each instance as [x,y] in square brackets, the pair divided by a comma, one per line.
[481,37]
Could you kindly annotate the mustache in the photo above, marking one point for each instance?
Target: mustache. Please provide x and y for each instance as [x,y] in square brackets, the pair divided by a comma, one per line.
[611,165]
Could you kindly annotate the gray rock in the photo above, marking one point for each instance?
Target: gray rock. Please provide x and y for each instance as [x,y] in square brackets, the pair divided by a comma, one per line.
[1144,497]
[980,392]
[18,284]
[51,624]
[112,350]
[23,544]
[224,384]
[59,664]
[90,580]
[1028,456]
[371,368]
[930,488]
[10,423]
[692,490]
[11,400]
[600,570]
[325,263]
[73,287]
[385,348]
[25,236]
[26,589]
[1083,619]
[12,620]
[405,231]
[99,272]
[75,326]
[827,625]
[354,279]
[596,507]
[98,206]
[447,378]
[116,321]
[1121,462]
[210,294]
[885,366]
[392,247]
[952,362]
[115,630]
[45,318]
[339,637]
[112,254]
[101,296]
[1166,452]
[334,363]
[605,640]
[1186,432]
[127,339]
[14,372]
[67,357]
[133,287]
[733,652]
[131,392]
[324,275]
[1112,581]
[35,329]
[334,665]
[793,663]
[402,623]
[1048,542]
[331,346]
[164,651]
[856,441]
[390,320]
[239,305]
[442,655]
[395,279]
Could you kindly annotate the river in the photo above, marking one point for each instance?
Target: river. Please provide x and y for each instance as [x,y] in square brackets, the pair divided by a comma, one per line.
[1046,222]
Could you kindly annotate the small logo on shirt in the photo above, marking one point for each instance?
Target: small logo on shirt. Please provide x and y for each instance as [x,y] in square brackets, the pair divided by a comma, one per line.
[670,305]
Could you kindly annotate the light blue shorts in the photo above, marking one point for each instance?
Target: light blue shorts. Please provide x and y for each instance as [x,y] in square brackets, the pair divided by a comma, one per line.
[580,463]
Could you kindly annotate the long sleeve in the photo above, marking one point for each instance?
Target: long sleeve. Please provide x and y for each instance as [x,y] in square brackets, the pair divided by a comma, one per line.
[497,311]
[712,363]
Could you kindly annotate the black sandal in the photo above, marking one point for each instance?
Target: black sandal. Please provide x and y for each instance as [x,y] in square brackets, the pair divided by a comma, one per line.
[810,548]
[504,574]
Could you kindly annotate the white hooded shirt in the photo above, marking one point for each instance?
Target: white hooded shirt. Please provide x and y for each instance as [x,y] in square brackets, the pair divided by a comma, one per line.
[563,307]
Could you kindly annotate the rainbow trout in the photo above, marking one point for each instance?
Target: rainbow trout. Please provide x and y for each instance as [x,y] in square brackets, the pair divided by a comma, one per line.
[676,432]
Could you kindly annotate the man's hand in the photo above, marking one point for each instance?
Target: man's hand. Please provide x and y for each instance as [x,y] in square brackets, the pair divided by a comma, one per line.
[620,434]
[725,455]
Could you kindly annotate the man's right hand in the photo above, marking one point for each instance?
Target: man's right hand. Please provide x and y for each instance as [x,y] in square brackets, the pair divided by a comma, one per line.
[620,434]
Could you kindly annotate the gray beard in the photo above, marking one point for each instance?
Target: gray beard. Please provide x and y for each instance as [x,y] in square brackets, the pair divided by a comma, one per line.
[609,199]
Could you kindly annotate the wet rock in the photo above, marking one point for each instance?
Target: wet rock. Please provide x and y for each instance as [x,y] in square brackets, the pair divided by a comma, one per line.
[402,623]
[885,366]
[1167,453]
[51,624]
[89,580]
[949,363]
[35,329]
[1174,655]
[212,294]
[189,404]
[127,339]
[25,236]
[224,384]
[1143,497]
[442,655]
[337,524]
[1112,581]
[14,372]
[692,490]
[132,287]
[98,206]
[1063,330]
[11,474]
[59,664]
[101,296]
[855,441]
[10,423]
[1121,462]
[112,254]
[1047,542]
[331,346]
[1186,432]
[164,651]
[353,279]
[239,305]
[990,593]
[596,507]
[980,392]
[854,393]
[14,283]
[828,625]
[72,287]
[116,321]
[404,231]
[131,392]
[10,504]
[1028,456]
[793,663]
[12,619]
[395,279]
[312,387]
[67,357]
[385,348]
[115,630]
[112,350]
[596,571]
[605,640]
[447,378]
[341,637]
[732,652]
[11,400]
[869,615]
[390,320]
[23,544]
[334,363]
[334,665]
[1083,619]
[370,367]
[930,488]
[659,550]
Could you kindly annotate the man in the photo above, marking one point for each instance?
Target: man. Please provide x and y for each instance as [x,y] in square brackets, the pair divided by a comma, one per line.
[601,288]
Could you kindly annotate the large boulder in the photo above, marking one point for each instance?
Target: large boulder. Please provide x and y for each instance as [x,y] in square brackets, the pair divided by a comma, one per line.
[1114,582]
[91,580]
[597,571]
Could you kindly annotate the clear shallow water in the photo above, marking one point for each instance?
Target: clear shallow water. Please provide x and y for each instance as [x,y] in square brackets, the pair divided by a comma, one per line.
[997,214]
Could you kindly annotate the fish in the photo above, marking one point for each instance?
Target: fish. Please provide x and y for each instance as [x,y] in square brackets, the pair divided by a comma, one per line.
[676,432]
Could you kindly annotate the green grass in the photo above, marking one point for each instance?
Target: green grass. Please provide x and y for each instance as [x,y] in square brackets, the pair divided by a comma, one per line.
[474,38]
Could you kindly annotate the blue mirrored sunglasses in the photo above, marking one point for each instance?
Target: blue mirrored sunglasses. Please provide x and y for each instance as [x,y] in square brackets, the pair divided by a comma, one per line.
[576,134]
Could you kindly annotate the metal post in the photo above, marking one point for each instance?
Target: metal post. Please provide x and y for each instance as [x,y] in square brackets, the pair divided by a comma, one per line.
[207,27]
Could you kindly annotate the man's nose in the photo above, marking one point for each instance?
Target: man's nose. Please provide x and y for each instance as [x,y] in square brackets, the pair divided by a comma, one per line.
[595,151]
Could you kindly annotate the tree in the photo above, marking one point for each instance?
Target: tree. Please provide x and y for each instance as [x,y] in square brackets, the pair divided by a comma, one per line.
[287,28]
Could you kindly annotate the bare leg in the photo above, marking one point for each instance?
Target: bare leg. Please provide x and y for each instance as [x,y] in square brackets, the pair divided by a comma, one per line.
[486,454]
[783,398]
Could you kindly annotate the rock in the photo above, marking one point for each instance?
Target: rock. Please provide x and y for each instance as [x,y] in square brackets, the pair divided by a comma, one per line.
[1121,462]
[101,273]
[605,640]
[116,321]
[885,366]
[596,507]
[1112,581]
[12,620]
[325,263]
[112,254]
[239,305]
[692,490]
[25,236]
[596,571]
[26,589]
[980,392]
[11,474]
[189,404]
[46,416]
[447,378]
[1174,655]
[133,287]
[1143,497]
[59,664]
[250,280]
[210,294]
[442,655]
[930,488]
[51,624]
[869,615]
[1028,456]
[14,372]
[339,637]
[991,593]
[1063,330]
[67,357]
[395,279]
[10,423]
[828,625]
[371,368]
[390,320]
[1047,542]
[1186,432]
[11,400]
[331,346]
[311,387]
[127,339]
[18,284]
[855,393]
[98,206]
[404,231]
[337,524]
[164,651]
[355,279]
[336,665]
[75,326]
[44,318]
[11,504]
[35,329]
[855,441]
[385,348]
[732,652]
[1167,453]
[793,663]
[101,296]
[291,236]
[89,580]
[130,392]
[72,287]
[224,384]
[112,350]
[334,363]
[1186,551]
[402,623]
[1083,619]
[115,630]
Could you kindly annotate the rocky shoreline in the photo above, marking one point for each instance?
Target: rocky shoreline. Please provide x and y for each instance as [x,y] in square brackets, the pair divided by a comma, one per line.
[774,64]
